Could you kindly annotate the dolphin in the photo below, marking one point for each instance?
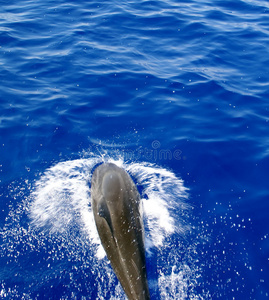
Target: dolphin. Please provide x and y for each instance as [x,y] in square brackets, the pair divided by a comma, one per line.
[116,209]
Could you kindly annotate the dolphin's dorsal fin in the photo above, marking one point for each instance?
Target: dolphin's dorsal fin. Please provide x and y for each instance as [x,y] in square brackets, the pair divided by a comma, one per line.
[103,212]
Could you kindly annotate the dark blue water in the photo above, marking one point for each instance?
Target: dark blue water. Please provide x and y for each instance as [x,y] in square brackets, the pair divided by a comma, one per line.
[177,93]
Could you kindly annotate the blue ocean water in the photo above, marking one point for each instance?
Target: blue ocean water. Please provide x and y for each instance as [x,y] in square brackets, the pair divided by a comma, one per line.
[176,92]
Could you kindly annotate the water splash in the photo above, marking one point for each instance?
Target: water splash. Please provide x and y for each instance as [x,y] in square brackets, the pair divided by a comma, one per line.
[163,200]
[61,197]
[62,230]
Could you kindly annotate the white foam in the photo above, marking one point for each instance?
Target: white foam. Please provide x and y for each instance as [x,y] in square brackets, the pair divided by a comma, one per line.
[61,201]
[165,197]
[61,198]
[59,207]
[174,285]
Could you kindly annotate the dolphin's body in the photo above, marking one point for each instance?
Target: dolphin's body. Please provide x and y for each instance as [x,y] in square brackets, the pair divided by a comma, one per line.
[115,203]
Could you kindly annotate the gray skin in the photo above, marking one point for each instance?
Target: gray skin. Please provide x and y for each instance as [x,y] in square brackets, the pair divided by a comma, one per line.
[115,203]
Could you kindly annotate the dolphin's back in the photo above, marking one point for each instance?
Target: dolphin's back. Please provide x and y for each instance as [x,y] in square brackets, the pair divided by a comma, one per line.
[115,202]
